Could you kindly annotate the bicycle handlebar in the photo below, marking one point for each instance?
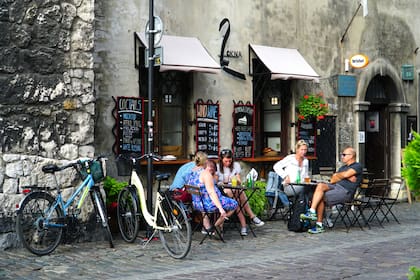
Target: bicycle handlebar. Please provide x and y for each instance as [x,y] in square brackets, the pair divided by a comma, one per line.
[133,158]
[51,168]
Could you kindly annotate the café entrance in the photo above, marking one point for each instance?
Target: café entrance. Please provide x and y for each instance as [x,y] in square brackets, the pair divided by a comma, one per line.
[384,126]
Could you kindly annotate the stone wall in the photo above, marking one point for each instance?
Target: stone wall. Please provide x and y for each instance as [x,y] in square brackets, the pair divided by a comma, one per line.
[47,101]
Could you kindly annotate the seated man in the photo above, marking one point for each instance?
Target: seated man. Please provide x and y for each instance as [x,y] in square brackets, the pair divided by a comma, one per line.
[181,176]
[341,188]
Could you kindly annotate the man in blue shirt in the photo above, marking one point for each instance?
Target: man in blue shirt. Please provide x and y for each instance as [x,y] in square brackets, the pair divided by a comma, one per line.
[181,175]
[342,186]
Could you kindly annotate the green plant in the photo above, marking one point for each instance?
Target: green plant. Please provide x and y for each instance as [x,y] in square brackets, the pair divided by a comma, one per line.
[416,273]
[112,188]
[411,164]
[312,106]
[258,200]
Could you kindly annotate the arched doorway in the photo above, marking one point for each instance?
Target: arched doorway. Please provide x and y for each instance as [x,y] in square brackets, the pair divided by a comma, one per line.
[382,110]
[379,94]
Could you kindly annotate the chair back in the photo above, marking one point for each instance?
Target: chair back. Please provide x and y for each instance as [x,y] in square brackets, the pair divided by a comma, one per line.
[377,188]
[193,190]
[395,181]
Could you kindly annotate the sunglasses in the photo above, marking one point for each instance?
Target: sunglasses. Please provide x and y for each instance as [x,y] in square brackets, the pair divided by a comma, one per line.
[343,155]
[226,152]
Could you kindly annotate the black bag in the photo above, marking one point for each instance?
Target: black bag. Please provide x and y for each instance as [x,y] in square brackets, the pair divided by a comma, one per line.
[298,207]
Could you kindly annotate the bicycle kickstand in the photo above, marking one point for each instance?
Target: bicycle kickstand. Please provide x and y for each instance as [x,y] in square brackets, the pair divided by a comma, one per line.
[145,242]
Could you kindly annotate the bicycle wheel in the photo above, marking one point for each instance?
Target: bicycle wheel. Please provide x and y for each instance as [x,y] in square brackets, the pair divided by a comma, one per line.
[127,214]
[34,228]
[100,209]
[177,235]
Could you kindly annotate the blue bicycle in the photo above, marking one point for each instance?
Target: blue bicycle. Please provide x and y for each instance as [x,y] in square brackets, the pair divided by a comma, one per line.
[43,220]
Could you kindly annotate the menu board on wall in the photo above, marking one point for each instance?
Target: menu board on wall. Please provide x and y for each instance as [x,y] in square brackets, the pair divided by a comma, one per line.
[307,132]
[243,130]
[207,124]
[130,125]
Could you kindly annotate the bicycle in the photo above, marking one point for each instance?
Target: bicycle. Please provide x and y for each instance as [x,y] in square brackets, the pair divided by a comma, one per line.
[41,217]
[169,218]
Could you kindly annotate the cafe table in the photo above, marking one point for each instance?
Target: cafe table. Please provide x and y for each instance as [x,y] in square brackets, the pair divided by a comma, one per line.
[237,192]
[308,189]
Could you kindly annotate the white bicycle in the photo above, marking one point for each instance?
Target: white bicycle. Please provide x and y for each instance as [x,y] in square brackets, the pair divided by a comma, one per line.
[169,218]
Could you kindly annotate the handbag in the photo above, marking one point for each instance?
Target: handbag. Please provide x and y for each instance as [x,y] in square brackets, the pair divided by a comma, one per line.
[181,195]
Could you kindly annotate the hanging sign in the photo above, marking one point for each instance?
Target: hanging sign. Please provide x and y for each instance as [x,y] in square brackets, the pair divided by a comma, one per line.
[243,130]
[207,124]
[359,61]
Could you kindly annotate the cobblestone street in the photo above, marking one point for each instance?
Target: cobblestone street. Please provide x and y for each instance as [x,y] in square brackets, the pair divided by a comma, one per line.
[379,253]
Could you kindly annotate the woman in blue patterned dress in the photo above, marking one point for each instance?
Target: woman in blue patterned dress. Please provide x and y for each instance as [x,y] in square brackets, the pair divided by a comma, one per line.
[211,196]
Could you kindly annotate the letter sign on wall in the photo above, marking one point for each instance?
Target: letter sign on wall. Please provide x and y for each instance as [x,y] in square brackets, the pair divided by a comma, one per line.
[207,127]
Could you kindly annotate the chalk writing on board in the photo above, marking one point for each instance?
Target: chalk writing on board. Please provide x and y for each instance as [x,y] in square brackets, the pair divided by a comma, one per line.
[207,135]
[307,132]
[243,131]
[130,125]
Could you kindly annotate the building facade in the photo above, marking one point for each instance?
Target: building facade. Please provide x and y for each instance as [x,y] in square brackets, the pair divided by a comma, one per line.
[67,68]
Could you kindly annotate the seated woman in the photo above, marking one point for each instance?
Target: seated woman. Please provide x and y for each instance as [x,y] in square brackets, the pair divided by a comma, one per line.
[293,169]
[211,196]
[227,168]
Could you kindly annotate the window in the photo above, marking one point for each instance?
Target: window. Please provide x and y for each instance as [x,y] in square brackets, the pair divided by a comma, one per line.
[273,108]
[172,89]
[272,122]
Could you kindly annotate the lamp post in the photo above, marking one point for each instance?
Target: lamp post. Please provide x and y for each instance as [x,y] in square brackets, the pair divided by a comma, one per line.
[151,32]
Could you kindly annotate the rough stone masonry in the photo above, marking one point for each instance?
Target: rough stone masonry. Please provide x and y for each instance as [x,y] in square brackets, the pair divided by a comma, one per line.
[47,101]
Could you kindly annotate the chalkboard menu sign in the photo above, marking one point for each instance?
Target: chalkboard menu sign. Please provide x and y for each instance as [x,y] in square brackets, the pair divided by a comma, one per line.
[307,132]
[243,130]
[207,133]
[130,125]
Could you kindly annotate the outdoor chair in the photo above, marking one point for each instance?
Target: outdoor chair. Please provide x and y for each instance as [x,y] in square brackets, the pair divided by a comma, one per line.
[373,197]
[352,212]
[211,215]
[276,198]
[389,199]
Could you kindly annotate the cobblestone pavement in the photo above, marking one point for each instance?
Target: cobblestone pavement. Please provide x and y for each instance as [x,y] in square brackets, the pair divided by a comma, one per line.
[378,253]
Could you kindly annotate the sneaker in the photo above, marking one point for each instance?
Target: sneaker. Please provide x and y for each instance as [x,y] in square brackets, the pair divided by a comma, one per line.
[209,231]
[308,216]
[244,231]
[328,222]
[257,222]
[317,229]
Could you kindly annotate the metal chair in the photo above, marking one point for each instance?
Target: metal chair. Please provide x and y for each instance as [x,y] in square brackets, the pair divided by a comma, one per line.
[388,200]
[211,215]
[352,212]
[372,198]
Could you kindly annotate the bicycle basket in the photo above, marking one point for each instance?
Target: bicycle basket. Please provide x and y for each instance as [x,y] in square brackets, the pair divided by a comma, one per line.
[95,168]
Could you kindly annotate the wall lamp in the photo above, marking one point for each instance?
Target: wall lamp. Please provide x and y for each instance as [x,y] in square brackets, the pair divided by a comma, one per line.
[274,100]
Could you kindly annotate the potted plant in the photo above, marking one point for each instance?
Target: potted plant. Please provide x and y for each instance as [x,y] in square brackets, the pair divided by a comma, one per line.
[312,106]
[411,164]
[258,200]
[112,188]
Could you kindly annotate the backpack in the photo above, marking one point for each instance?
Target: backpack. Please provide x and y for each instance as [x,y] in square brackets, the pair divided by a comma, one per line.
[298,207]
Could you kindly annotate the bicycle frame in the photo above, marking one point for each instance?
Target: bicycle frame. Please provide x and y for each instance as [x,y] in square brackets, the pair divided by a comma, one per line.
[151,220]
[86,185]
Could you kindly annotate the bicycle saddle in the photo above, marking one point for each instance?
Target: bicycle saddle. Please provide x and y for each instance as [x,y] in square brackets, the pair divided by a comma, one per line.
[162,176]
[50,168]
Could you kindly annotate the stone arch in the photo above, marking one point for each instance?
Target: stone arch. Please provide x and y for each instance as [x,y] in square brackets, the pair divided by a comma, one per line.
[397,108]
[384,68]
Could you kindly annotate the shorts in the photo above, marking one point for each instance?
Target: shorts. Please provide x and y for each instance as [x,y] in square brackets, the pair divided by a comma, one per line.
[337,194]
